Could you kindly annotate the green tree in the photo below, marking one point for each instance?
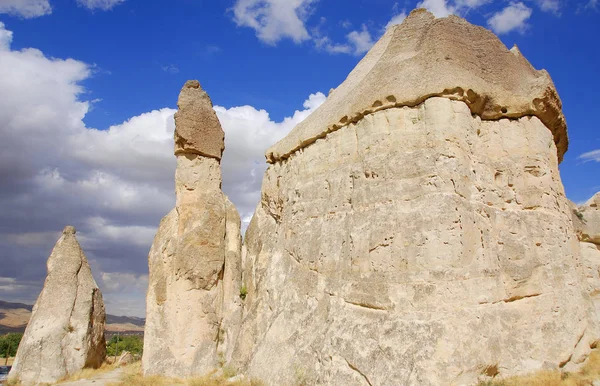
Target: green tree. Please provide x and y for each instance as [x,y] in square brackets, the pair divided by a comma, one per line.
[9,344]
[132,343]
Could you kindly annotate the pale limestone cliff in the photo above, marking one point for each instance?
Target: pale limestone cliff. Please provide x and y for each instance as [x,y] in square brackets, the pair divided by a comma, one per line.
[66,331]
[414,230]
[193,305]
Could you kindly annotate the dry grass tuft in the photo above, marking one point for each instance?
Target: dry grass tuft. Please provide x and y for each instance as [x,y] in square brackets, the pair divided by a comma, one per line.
[589,373]
[88,373]
[133,377]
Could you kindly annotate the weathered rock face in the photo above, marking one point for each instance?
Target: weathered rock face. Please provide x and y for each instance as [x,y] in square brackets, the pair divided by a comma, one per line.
[198,128]
[589,216]
[66,329]
[418,244]
[590,255]
[586,219]
[193,307]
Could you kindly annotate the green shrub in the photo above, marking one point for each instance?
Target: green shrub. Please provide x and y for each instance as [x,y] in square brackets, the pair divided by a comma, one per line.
[9,344]
[132,343]
[243,292]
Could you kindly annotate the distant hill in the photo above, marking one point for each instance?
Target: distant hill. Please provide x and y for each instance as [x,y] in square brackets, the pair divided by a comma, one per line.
[15,316]
[14,306]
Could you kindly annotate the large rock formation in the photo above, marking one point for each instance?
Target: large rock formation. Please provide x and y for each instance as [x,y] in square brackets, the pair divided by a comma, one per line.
[587,226]
[193,304]
[414,229]
[66,329]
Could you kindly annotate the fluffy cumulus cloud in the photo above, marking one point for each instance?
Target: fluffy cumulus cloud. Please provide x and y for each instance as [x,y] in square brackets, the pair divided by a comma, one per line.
[25,8]
[248,133]
[512,18]
[113,185]
[274,20]
[361,41]
[104,5]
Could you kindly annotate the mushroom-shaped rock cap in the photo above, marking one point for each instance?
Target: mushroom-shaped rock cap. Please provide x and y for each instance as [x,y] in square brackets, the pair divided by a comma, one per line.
[425,57]
[197,128]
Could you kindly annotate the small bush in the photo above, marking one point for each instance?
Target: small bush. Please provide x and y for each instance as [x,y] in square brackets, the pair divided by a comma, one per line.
[579,215]
[243,292]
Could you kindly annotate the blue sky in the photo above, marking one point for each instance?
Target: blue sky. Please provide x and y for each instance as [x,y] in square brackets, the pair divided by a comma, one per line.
[89,88]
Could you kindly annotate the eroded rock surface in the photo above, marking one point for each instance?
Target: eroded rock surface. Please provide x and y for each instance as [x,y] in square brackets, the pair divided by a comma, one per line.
[410,233]
[586,219]
[425,57]
[66,329]
[589,216]
[198,128]
[193,294]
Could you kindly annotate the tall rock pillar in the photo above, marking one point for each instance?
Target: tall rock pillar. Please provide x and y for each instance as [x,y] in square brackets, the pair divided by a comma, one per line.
[66,329]
[194,268]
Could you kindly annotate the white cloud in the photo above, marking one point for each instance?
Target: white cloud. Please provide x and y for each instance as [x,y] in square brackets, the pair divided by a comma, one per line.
[440,8]
[248,134]
[274,20]
[5,37]
[472,3]
[25,8]
[325,43]
[397,19]
[114,185]
[443,8]
[590,156]
[104,5]
[512,18]
[549,5]
[361,41]
[9,284]
[35,8]
[357,43]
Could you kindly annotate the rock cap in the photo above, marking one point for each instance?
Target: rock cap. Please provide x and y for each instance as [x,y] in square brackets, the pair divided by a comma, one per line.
[197,128]
[425,57]
[69,230]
